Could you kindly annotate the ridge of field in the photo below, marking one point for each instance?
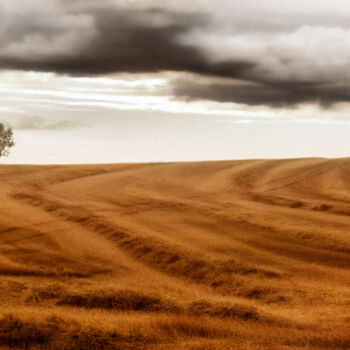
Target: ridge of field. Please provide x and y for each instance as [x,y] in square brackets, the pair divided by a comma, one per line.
[205,255]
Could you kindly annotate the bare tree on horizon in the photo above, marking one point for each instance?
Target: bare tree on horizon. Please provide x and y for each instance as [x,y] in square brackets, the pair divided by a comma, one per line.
[6,140]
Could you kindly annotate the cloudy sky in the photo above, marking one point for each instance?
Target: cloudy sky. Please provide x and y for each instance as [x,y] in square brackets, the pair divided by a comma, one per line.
[153,80]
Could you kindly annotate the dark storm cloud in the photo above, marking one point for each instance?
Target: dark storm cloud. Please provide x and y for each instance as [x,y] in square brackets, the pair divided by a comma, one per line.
[121,40]
[282,56]
[275,94]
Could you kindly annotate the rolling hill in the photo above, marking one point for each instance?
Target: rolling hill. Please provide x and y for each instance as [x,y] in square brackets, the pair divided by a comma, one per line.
[211,255]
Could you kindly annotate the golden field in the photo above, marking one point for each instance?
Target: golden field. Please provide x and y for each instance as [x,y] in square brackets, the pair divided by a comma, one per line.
[210,255]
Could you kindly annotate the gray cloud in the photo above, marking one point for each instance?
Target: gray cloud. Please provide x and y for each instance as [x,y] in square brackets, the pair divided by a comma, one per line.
[274,94]
[38,123]
[282,56]
[121,40]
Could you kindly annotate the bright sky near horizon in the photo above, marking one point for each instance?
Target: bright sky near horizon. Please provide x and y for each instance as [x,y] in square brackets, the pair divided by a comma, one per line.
[138,81]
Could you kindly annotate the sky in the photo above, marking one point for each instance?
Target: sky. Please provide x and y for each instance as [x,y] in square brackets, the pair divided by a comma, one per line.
[86,81]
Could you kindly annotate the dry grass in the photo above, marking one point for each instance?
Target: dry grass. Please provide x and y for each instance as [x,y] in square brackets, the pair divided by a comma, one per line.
[212,255]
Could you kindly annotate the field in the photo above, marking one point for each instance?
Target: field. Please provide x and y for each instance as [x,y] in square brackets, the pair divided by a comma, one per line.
[210,255]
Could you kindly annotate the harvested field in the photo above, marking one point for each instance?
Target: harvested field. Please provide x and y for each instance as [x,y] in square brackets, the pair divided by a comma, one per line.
[209,255]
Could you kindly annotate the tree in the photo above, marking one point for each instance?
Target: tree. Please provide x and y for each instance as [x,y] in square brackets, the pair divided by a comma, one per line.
[6,140]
